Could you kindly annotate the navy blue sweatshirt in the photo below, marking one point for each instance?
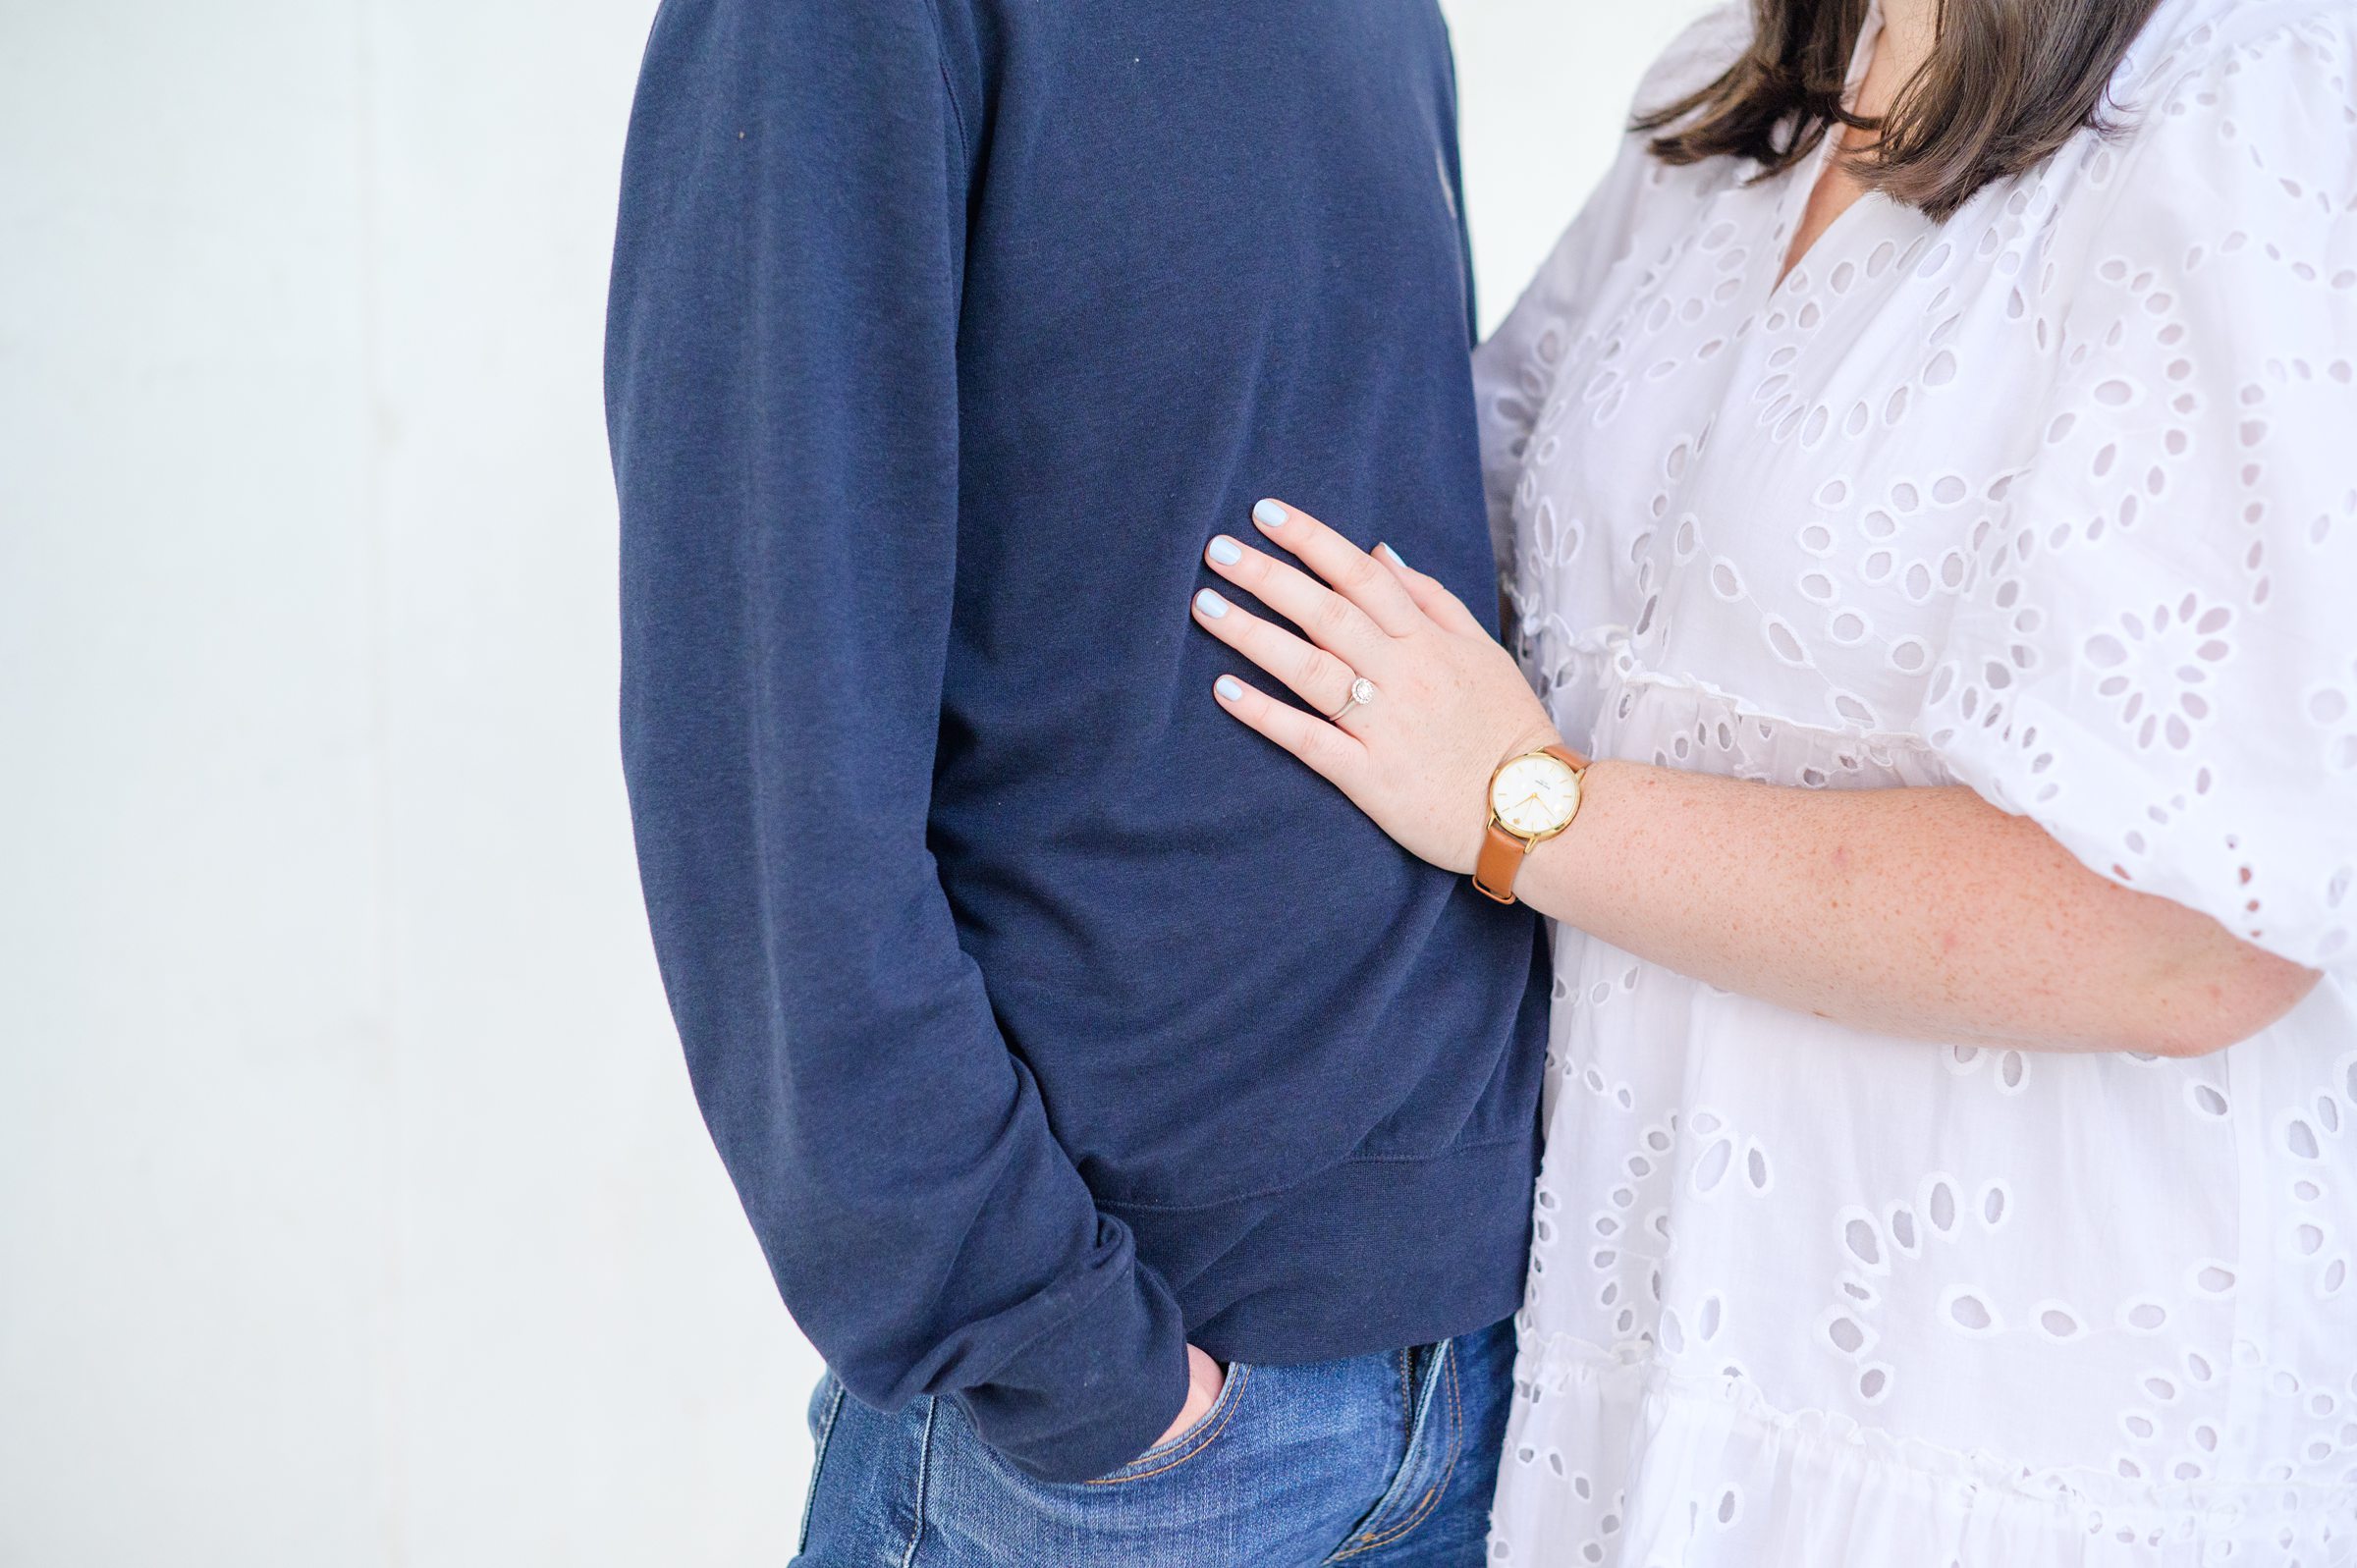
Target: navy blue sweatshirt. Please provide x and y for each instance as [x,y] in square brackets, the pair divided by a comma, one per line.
[1045,1017]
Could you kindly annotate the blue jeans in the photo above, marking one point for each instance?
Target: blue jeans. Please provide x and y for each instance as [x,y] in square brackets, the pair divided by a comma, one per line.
[1381,1461]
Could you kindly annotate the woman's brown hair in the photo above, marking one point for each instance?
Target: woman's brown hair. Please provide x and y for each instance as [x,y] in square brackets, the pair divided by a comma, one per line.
[2009,82]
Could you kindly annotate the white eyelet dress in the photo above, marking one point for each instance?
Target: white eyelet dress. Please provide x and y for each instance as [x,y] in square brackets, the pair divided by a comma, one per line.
[2057,500]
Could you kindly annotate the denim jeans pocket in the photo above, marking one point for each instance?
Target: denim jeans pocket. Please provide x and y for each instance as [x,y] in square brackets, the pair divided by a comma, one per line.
[1165,1457]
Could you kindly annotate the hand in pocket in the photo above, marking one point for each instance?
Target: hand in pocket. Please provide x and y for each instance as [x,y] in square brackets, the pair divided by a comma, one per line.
[1205,1379]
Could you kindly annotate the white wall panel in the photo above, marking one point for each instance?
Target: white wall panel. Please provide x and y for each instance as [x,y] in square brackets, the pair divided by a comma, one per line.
[597,1370]
[353,1210]
[1545,87]
[194,1171]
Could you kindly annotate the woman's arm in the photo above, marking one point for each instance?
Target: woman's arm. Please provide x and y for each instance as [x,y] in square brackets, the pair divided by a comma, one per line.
[1921,912]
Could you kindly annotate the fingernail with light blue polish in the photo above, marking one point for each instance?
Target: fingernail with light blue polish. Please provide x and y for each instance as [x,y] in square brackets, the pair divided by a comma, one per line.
[1229,687]
[1269,515]
[1226,551]
[1394,554]
[1211,604]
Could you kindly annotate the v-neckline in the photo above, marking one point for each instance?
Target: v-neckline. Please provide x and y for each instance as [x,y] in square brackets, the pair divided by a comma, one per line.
[1790,230]
[1800,187]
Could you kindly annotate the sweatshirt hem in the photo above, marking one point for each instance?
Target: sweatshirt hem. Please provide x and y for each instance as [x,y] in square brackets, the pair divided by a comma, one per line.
[1369,1255]
[1124,1205]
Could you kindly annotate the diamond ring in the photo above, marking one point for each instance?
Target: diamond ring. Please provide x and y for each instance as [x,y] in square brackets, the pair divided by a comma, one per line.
[1362,694]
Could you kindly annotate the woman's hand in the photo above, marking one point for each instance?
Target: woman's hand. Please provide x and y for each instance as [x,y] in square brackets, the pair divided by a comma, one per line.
[1450,704]
[1925,912]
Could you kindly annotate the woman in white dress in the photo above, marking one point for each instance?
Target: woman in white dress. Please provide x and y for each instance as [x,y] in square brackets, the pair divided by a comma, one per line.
[1948,546]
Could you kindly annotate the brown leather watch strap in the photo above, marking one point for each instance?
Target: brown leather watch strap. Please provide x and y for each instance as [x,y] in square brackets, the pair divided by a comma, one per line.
[1501,860]
[1502,853]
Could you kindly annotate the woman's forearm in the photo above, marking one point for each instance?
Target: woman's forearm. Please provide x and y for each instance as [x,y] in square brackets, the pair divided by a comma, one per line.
[1922,912]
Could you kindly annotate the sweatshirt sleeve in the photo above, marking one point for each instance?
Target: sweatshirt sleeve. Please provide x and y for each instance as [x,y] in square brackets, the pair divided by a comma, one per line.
[782,408]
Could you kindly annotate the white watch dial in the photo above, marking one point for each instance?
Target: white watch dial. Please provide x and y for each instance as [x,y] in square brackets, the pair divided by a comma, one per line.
[1535,795]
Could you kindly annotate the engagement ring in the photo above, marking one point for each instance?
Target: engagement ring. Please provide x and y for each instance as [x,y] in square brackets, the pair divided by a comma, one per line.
[1362,694]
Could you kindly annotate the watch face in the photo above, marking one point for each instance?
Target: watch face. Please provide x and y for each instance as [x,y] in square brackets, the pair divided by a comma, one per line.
[1535,795]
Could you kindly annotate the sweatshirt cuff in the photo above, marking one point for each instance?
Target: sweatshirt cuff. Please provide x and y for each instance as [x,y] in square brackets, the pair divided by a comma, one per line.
[1094,1392]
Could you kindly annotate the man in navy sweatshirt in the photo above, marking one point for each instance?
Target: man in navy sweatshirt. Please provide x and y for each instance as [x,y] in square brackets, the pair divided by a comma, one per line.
[1047,1021]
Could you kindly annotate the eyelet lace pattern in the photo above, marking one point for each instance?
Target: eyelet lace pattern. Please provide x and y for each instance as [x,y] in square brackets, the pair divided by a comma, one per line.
[2057,500]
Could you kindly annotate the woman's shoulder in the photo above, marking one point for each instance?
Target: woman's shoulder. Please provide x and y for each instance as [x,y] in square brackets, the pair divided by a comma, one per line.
[2206,61]
[2232,116]
[2188,36]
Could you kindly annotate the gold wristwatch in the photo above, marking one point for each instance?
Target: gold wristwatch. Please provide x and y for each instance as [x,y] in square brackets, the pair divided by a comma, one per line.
[1532,798]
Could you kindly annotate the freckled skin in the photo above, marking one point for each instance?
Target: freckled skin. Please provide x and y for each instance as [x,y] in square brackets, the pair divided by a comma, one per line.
[1932,915]
[1925,913]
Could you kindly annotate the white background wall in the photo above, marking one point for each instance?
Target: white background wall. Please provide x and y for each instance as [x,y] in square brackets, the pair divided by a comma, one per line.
[353,1210]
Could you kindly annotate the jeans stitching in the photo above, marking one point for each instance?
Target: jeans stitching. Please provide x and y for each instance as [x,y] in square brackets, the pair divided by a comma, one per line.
[1431,1498]
[818,1462]
[1230,1385]
[1237,1376]
[1456,1443]
[1369,1541]
[924,1464]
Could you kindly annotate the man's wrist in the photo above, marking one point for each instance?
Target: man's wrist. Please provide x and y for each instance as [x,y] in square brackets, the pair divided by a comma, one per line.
[1096,1391]
[1205,1379]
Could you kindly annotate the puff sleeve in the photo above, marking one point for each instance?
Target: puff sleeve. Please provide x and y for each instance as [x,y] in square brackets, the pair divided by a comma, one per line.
[2157,655]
